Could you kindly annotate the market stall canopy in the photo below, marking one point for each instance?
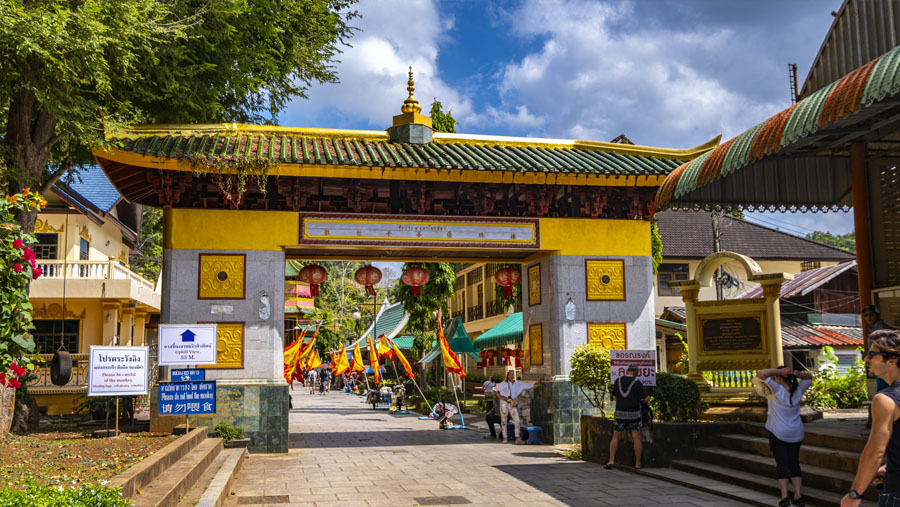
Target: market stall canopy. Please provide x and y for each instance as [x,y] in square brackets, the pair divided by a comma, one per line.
[508,331]
[798,158]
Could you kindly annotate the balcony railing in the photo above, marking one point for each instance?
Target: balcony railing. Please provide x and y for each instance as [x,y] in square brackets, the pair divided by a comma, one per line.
[96,270]
[459,313]
[474,313]
[494,307]
[79,373]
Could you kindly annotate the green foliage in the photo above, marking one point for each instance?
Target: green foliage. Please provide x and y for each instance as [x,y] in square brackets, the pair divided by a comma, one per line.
[833,390]
[656,246]
[574,454]
[441,121]
[17,270]
[73,71]
[590,372]
[843,241]
[149,264]
[675,398]
[50,496]
[434,297]
[228,432]
[684,363]
[339,296]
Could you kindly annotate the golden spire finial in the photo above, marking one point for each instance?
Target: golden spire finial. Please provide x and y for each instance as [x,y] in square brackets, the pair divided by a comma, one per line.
[411,105]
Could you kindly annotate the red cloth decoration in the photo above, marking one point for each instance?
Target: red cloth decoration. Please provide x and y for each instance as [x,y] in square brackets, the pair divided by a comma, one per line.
[313,275]
[368,276]
[415,277]
[507,278]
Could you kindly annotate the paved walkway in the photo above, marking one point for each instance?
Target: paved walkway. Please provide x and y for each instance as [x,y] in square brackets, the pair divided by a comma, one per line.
[344,453]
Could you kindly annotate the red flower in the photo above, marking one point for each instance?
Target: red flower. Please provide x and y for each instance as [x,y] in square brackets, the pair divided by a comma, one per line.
[2,379]
[17,243]
[36,272]
[17,267]
[28,254]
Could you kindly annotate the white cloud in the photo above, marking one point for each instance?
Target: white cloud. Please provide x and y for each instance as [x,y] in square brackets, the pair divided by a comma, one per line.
[393,35]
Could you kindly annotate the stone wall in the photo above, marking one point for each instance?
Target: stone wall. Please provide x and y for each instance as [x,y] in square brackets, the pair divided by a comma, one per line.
[557,407]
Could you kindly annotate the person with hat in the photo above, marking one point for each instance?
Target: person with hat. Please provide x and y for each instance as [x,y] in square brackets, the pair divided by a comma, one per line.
[629,393]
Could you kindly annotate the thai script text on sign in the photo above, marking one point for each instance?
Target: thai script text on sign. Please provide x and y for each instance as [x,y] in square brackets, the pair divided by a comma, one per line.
[184,344]
[117,371]
[187,398]
[190,375]
[619,360]
[520,233]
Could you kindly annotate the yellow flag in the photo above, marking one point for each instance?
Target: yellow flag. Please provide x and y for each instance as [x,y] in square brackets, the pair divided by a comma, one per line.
[314,361]
[341,364]
[357,365]
[451,362]
[383,348]
[373,360]
[402,359]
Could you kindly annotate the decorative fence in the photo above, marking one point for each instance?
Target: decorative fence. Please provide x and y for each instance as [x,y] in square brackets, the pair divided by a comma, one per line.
[730,378]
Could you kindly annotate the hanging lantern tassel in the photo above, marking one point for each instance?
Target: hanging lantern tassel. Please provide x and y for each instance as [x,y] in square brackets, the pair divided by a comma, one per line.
[507,278]
[415,277]
[313,275]
[368,276]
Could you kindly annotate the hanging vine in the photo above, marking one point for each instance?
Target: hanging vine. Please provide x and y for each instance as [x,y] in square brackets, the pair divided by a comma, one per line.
[232,176]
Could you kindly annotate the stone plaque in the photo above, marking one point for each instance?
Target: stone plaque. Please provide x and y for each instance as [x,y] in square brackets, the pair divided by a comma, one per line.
[609,335]
[221,276]
[535,344]
[738,333]
[605,279]
[534,285]
[229,346]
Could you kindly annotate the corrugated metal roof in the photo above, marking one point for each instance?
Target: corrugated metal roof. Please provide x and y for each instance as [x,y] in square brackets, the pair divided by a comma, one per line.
[806,281]
[507,331]
[478,155]
[853,93]
[862,30]
[798,334]
[688,235]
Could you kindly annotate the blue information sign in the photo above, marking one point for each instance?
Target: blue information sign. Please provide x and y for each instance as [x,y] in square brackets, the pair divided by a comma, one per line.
[187,398]
[192,375]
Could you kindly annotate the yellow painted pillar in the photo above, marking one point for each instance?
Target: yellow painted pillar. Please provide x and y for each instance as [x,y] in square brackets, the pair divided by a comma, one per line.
[126,329]
[140,328]
[110,323]
[772,293]
[689,294]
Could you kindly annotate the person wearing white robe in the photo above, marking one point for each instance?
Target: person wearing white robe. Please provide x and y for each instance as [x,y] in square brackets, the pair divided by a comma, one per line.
[508,391]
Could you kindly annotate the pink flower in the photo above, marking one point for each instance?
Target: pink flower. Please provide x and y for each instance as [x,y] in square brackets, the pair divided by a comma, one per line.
[36,272]
[17,267]
[28,254]
[17,243]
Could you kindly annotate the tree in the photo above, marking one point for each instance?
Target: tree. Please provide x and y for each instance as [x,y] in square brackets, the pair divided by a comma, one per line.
[441,121]
[843,241]
[590,372]
[150,262]
[434,297]
[71,70]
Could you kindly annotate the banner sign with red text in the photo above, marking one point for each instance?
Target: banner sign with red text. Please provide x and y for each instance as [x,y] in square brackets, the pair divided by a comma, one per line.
[645,360]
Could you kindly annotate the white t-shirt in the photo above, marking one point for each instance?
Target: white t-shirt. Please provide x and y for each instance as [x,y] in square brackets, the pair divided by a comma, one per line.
[488,386]
[784,411]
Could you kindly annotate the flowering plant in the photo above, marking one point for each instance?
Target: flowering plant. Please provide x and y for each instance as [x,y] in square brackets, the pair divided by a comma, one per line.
[17,268]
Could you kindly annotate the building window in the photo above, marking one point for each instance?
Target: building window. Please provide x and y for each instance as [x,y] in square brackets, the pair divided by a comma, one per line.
[810,265]
[47,246]
[474,276]
[49,333]
[84,252]
[670,273]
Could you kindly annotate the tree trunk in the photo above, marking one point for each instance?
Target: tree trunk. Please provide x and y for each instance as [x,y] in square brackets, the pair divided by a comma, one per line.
[26,416]
[7,407]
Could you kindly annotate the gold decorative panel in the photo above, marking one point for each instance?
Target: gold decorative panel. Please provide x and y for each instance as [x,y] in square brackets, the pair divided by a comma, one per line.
[605,279]
[535,344]
[229,346]
[609,335]
[534,285]
[221,277]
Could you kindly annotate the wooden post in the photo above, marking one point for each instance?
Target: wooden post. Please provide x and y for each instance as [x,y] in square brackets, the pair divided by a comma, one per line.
[117,416]
[860,196]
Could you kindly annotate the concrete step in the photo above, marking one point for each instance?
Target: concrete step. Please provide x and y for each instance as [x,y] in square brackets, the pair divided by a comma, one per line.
[706,484]
[145,472]
[817,477]
[815,436]
[167,489]
[826,457]
[747,480]
[211,489]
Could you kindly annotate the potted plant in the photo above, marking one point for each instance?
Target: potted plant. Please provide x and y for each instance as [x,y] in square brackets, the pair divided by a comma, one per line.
[232,437]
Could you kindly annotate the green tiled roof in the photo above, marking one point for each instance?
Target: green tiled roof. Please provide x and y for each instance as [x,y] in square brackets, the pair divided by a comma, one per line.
[387,324]
[509,330]
[342,150]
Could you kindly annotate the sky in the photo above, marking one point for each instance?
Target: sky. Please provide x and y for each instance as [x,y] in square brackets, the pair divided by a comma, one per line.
[668,73]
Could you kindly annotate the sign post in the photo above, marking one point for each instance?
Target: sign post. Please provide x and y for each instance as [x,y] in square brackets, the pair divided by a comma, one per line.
[117,371]
[188,392]
[619,360]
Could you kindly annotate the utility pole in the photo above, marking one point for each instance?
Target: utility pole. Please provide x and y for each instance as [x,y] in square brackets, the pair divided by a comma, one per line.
[717,248]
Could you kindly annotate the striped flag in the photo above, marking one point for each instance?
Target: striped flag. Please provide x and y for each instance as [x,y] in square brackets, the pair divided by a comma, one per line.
[451,362]
[373,360]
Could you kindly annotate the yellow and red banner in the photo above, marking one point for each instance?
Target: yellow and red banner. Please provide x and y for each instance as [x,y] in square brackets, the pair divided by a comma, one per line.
[451,362]
[373,360]
[403,361]
[340,363]
[314,361]
[383,348]
[357,365]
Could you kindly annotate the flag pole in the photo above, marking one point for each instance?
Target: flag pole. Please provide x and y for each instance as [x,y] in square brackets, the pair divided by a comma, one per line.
[462,421]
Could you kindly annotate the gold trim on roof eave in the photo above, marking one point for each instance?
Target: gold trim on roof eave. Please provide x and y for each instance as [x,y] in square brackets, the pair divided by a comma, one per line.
[398,173]
[685,154]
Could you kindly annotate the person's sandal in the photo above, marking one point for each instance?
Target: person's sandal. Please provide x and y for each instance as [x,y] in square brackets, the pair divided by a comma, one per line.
[800,502]
[785,502]
[608,466]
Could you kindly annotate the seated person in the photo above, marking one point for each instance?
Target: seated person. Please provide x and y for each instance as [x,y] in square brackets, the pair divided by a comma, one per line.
[493,418]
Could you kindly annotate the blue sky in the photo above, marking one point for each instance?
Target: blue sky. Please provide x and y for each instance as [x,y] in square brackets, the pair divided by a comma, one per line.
[664,73]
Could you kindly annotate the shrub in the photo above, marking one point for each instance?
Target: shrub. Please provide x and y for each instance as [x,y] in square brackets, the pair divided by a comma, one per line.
[830,389]
[228,432]
[46,496]
[675,398]
[573,454]
[590,372]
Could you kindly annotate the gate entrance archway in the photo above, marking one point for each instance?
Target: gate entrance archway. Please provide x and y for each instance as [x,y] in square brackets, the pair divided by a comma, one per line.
[238,200]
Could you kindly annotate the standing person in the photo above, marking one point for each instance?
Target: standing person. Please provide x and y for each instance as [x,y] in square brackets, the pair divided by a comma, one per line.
[872,317]
[882,362]
[785,426]
[508,391]
[311,381]
[488,395]
[629,393]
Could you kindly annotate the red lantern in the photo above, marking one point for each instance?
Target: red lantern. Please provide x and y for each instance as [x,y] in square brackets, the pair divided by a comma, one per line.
[313,275]
[415,277]
[507,277]
[368,276]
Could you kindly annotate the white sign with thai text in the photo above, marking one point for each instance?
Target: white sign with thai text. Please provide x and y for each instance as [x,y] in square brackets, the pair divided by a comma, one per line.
[645,360]
[118,371]
[186,344]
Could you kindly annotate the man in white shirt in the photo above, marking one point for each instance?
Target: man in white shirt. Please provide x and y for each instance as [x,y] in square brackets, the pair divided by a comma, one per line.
[508,391]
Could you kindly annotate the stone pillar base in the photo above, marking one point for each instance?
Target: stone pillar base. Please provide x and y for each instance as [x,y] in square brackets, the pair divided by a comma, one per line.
[259,407]
[557,408]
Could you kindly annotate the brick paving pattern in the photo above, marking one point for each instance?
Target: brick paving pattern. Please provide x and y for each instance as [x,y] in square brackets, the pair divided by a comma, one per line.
[344,453]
